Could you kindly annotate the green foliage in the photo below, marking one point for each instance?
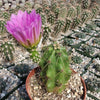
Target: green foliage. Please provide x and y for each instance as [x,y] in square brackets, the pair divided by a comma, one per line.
[2,26]
[21,69]
[2,84]
[55,71]
[46,32]
[7,50]
[76,59]
[78,10]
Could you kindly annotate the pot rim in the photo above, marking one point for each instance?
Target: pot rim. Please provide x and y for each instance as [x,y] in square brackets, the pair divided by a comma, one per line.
[33,72]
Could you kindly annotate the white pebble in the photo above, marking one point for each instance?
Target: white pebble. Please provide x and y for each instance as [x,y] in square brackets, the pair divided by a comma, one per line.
[6,6]
[36,98]
[2,94]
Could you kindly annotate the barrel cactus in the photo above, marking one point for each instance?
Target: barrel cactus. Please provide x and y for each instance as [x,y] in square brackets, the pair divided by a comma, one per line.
[55,71]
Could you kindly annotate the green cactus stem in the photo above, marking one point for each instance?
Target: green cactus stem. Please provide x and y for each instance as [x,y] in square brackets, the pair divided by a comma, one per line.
[75,23]
[34,55]
[55,71]
[39,10]
[51,18]
[71,12]
[43,17]
[46,32]
[67,42]
[2,26]
[84,16]
[58,27]
[5,15]
[78,10]
[7,50]
[67,24]
[56,12]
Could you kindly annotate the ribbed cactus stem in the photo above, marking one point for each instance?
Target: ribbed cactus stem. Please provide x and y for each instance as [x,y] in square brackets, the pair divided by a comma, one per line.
[55,71]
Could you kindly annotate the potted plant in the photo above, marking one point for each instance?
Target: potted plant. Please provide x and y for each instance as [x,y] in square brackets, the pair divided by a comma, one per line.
[54,79]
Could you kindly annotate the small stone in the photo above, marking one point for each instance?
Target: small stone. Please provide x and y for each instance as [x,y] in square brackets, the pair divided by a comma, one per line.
[68,91]
[6,6]
[36,98]
[2,94]
[35,87]
[13,6]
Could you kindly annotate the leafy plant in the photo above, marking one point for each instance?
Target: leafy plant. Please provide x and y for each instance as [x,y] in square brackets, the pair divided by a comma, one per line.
[55,71]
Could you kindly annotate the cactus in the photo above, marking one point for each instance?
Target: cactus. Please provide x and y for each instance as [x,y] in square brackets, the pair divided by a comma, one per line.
[67,24]
[45,34]
[7,50]
[2,84]
[95,11]
[84,16]
[56,12]
[58,27]
[51,18]
[34,55]
[39,10]
[71,12]
[55,71]
[78,10]
[43,17]
[47,11]
[75,23]
[86,4]
[2,27]
[5,15]
[53,6]
[76,59]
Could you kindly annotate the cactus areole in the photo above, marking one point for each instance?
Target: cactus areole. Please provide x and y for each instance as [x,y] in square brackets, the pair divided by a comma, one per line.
[55,70]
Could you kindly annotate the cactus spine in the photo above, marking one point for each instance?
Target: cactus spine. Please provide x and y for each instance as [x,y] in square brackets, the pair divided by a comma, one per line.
[55,71]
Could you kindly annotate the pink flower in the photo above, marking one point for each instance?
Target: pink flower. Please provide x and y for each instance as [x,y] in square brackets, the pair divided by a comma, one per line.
[25,28]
